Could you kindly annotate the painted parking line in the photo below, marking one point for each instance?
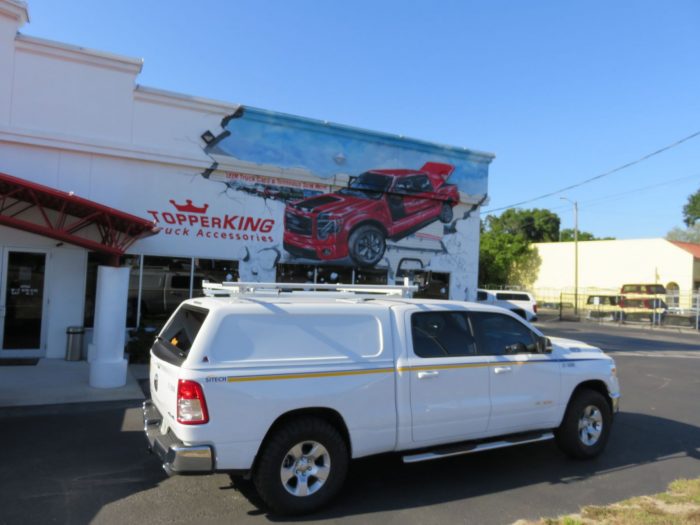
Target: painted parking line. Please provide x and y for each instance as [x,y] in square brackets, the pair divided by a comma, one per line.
[662,354]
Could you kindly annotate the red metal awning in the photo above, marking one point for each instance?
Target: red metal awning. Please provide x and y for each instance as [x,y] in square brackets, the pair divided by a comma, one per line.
[65,217]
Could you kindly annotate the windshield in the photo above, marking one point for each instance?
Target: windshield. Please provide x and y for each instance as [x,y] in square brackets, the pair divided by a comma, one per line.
[368,186]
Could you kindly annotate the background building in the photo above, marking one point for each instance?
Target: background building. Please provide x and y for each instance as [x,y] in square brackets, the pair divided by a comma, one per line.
[607,265]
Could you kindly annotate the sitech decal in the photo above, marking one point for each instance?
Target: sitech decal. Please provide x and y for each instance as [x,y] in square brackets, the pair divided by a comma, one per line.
[189,220]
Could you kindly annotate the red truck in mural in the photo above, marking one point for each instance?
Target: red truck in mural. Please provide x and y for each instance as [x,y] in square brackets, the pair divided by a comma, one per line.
[377,205]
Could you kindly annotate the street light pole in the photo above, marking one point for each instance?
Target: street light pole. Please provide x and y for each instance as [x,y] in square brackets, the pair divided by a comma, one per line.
[575,203]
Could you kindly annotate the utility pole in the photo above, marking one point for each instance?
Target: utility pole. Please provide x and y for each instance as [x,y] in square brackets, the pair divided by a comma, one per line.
[575,203]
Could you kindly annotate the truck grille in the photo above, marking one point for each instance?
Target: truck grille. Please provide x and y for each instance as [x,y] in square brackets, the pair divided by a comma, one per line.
[297,224]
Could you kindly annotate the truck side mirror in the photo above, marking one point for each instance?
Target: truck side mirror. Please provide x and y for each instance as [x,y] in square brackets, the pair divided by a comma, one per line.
[544,345]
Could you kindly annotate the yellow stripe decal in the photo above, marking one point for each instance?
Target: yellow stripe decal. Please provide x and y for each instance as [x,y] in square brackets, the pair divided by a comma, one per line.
[238,379]
[307,375]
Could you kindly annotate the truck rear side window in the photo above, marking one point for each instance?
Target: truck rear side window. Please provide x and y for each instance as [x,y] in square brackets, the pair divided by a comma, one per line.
[182,330]
[442,334]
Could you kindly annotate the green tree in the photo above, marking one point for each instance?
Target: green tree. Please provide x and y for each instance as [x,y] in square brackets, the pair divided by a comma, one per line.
[567,234]
[691,211]
[505,255]
[691,234]
[536,225]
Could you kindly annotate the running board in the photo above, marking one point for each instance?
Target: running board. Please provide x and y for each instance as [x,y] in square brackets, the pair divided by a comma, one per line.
[471,448]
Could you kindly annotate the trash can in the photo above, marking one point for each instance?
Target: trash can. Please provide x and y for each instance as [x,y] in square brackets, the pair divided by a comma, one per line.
[74,342]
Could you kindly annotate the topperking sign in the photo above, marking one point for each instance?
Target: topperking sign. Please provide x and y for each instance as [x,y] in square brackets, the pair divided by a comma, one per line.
[189,220]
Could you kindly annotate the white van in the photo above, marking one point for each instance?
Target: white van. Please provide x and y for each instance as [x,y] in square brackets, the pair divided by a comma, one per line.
[287,387]
[521,303]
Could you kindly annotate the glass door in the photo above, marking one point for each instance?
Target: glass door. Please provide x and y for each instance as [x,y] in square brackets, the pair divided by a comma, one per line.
[22,303]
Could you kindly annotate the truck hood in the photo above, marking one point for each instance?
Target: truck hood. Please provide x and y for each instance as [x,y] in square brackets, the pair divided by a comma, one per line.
[570,348]
[334,203]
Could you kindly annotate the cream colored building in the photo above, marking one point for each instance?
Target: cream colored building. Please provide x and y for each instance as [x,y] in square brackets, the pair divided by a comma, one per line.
[608,265]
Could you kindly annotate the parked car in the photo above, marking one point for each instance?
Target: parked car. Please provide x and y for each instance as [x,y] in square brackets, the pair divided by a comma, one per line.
[287,388]
[643,302]
[162,290]
[642,308]
[603,306]
[377,205]
[521,303]
[644,290]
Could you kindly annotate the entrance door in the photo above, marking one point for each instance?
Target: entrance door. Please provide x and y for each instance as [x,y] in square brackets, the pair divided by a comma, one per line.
[22,303]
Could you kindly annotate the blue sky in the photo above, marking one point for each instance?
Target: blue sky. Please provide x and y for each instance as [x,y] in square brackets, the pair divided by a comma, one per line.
[559,91]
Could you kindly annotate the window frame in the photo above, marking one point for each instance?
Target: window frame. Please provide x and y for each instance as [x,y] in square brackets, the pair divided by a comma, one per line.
[477,339]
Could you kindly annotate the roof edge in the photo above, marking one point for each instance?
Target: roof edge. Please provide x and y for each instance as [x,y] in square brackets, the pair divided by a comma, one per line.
[173,98]
[16,9]
[79,54]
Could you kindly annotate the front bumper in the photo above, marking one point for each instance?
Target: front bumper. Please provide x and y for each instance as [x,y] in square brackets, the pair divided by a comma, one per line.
[615,398]
[334,247]
[177,457]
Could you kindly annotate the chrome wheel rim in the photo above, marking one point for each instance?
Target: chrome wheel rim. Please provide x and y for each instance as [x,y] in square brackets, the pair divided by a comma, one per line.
[305,468]
[369,246]
[590,426]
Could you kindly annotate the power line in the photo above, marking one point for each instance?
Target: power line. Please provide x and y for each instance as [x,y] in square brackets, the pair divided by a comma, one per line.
[616,196]
[601,175]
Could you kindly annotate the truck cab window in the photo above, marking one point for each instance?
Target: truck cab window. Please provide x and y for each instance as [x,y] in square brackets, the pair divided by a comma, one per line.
[442,334]
[499,334]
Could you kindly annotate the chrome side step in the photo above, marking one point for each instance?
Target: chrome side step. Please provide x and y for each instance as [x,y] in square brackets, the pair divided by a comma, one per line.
[471,448]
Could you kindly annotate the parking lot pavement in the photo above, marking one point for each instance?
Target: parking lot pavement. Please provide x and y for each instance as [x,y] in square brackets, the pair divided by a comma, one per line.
[88,464]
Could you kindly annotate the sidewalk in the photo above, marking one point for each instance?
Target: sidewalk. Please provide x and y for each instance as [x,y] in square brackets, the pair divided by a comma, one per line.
[55,381]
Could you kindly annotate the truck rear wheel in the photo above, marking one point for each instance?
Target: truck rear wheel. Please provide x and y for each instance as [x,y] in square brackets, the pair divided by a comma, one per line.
[367,245]
[585,429]
[302,466]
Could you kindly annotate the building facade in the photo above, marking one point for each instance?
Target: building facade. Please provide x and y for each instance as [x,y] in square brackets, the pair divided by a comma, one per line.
[231,193]
[607,265]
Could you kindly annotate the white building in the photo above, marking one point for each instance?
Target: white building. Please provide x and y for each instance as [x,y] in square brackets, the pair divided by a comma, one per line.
[197,189]
[607,265]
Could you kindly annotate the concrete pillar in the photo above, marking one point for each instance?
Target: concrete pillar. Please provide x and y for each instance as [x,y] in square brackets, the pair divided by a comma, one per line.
[106,353]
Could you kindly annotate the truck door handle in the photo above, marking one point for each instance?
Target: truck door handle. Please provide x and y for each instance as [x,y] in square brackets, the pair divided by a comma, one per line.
[428,374]
[502,370]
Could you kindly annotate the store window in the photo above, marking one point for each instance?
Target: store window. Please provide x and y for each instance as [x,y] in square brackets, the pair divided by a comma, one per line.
[306,273]
[212,270]
[431,285]
[378,277]
[296,273]
[164,284]
[333,275]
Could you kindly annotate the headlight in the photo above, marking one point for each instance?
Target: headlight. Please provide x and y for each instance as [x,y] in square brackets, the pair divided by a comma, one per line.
[327,224]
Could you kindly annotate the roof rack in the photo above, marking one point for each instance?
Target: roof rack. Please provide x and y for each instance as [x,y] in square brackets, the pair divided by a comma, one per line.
[236,289]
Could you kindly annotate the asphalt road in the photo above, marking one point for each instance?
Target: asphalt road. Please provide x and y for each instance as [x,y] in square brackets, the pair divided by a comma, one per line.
[88,464]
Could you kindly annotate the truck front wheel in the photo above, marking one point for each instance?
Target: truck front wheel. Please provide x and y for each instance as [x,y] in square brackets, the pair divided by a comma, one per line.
[302,466]
[446,214]
[367,245]
[585,429]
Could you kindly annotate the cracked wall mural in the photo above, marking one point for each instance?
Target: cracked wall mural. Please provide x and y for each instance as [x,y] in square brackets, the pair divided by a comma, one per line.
[284,189]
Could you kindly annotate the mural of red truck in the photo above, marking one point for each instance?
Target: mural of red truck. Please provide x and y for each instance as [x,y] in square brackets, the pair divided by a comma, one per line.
[377,205]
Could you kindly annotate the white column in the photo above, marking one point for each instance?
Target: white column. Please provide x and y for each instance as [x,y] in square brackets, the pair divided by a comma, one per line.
[106,353]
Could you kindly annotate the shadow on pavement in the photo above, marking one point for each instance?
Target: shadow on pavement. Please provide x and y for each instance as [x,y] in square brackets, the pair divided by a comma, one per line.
[385,483]
[64,467]
[63,464]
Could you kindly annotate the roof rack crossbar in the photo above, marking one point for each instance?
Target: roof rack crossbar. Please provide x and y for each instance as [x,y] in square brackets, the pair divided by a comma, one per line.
[236,289]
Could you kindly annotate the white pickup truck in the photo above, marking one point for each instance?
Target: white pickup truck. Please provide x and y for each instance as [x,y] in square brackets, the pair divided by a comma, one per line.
[286,387]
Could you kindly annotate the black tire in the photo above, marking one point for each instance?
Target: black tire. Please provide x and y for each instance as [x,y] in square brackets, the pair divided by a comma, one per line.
[267,475]
[367,245]
[446,213]
[582,443]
